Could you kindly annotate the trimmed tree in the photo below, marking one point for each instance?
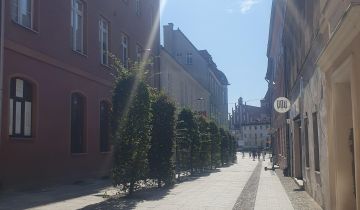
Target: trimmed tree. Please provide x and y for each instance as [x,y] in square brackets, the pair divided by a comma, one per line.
[215,145]
[224,147]
[205,143]
[189,143]
[130,124]
[161,160]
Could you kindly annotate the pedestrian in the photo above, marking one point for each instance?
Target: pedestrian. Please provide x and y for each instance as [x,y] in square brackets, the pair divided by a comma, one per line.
[250,154]
[254,154]
[264,153]
[243,154]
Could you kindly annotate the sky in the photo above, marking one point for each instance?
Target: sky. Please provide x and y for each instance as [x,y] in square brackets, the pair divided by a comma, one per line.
[235,33]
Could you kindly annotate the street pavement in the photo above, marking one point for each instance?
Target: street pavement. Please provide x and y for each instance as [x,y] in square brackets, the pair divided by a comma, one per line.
[244,185]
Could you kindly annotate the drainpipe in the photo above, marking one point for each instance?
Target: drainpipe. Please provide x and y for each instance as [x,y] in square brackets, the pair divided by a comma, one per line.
[2,5]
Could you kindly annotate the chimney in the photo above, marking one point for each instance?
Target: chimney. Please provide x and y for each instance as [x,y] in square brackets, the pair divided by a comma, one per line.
[169,38]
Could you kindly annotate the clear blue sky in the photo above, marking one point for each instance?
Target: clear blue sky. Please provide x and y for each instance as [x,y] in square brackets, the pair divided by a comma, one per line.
[235,32]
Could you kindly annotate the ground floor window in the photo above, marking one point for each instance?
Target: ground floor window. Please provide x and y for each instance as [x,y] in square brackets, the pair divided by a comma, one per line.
[104,126]
[20,108]
[77,123]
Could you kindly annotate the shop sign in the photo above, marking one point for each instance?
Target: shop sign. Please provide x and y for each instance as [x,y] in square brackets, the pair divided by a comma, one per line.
[282,105]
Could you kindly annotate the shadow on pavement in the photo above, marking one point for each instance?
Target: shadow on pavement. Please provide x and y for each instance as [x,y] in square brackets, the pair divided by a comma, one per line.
[150,194]
[130,202]
[34,198]
[196,176]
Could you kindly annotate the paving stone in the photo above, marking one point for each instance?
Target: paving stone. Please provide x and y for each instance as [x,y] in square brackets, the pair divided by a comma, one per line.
[300,199]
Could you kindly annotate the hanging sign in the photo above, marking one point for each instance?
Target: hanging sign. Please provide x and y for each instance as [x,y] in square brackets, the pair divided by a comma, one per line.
[282,105]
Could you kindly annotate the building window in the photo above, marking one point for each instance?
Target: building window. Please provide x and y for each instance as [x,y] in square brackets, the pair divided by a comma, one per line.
[104,126]
[104,41]
[125,50]
[77,123]
[189,59]
[22,12]
[20,108]
[137,6]
[316,142]
[139,51]
[307,154]
[77,25]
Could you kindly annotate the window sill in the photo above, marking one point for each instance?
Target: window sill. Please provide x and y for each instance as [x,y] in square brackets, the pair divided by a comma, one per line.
[79,154]
[106,153]
[317,172]
[80,53]
[25,27]
[22,139]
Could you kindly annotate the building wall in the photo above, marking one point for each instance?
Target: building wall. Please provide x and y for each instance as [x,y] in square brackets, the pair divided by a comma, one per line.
[202,69]
[339,63]
[43,56]
[309,31]
[277,83]
[316,181]
[255,135]
[177,83]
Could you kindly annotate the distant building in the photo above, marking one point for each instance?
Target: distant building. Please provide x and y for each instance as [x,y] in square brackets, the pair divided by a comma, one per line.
[201,67]
[251,125]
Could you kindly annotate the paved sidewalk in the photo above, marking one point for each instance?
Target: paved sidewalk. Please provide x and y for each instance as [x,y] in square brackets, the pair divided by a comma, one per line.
[300,199]
[216,191]
[245,186]
[270,193]
[59,197]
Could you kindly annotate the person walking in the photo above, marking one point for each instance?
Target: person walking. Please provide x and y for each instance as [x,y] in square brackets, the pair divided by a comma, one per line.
[254,154]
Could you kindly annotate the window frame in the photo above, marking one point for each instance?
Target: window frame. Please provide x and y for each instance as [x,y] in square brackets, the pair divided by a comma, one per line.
[83,147]
[316,142]
[137,7]
[27,96]
[104,53]
[189,58]
[75,12]
[18,18]
[107,141]
[125,49]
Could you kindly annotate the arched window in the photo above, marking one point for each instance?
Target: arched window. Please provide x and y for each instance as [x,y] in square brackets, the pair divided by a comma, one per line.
[104,126]
[20,108]
[78,144]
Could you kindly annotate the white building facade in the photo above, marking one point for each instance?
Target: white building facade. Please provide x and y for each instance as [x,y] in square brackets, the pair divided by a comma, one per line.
[181,87]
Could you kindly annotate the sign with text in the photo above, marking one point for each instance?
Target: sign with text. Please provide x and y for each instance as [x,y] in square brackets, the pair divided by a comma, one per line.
[282,105]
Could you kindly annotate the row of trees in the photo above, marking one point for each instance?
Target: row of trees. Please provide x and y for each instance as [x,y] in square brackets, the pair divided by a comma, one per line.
[152,142]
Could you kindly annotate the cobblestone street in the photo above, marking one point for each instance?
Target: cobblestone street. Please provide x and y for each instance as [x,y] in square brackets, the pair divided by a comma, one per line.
[245,185]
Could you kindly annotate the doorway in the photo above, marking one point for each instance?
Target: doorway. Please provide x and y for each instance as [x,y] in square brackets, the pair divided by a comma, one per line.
[344,156]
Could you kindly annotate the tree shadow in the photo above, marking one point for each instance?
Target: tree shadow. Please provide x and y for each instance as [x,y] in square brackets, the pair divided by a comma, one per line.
[198,175]
[33,198]
[130,202]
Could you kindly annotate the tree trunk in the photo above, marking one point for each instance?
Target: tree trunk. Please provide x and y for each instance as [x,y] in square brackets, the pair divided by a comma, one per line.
[131,189]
